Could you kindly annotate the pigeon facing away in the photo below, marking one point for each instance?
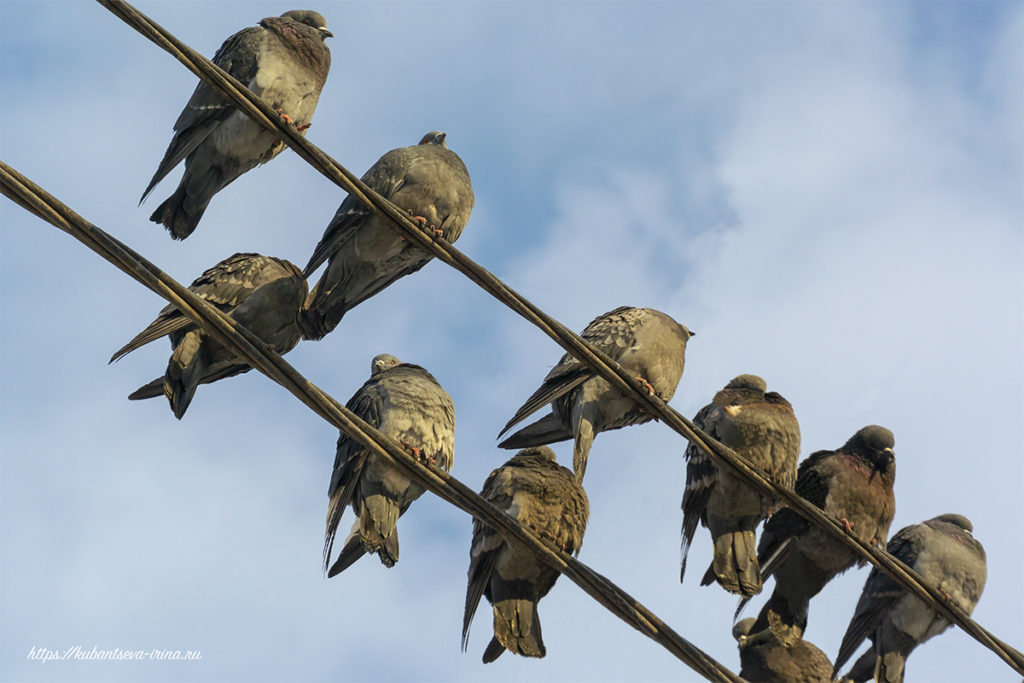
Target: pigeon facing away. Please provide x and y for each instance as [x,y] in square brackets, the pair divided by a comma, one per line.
[406,403]
[646,342]
[948,557]
[365,252]
[283,60]
[545,498]
[765,660]
[761,427]
[261,293]
[852,484]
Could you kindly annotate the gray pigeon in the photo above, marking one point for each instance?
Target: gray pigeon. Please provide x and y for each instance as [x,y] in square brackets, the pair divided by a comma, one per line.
[406,403]
[366,253]
[645,342]
[761,427]
[852,484]
[765,660]
[283,60]
[948,557]
[261,293]
[546,499]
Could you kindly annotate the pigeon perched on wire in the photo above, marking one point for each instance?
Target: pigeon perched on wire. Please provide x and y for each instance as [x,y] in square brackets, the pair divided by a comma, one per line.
[852,484]
[546,499]
[946,555]
[261,293]
[765,660]
[760,426]
[285,61]
[365,252]
[405,403]
[645,342]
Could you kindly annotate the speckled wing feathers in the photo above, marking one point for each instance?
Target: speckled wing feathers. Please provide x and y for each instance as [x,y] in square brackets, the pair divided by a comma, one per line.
[261,293]
[644,341]
[547,499]
[407,404]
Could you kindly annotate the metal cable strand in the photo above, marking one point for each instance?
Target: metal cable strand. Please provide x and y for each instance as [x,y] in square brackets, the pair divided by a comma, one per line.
[36,200]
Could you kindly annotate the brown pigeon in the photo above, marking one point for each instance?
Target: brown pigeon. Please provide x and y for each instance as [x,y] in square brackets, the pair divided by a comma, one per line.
[645,342]
[365,252]
[406,403]
[946,555]
[261,293]
[852,484]
[761,427]
[765,660]
[545,498]
[283,60]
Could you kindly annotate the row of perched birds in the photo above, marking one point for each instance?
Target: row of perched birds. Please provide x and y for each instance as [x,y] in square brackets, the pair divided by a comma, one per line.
[285,61]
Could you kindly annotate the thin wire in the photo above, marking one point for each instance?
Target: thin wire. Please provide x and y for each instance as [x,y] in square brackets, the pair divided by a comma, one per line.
[249,347]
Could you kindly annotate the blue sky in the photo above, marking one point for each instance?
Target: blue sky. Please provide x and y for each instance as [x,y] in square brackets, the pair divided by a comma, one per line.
[830,195]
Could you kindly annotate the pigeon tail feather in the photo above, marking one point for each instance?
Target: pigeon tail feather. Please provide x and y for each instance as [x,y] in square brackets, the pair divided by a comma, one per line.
[517,627]
[353,550]
[735,563]
[493,651]
[316,324]
[547,430]
[377,528]
[174,216]
[184,372]
[889,668]
[150,390]
[863,670]
[581,447]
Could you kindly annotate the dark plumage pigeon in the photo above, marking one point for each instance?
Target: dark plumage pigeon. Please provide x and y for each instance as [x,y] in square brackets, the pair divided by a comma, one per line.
[406,403]
[365,252]
[645,342]
[760,426]
[852,484]
[261,293]
[283,60]
[946,555]
[765,660]
[545,498]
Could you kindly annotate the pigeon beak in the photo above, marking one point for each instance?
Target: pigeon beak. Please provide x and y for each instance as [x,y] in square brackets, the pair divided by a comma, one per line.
[325,33]
[888,457]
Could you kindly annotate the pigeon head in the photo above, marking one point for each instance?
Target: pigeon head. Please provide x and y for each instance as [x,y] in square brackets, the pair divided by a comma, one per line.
[382,362]
[310,18]
[873,443]
[741,629]
[747,382]
[956,520]
[541,451]
[434,137]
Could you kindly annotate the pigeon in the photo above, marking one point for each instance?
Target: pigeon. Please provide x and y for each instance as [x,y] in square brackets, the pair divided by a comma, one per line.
[948,557]
[366,253]
[852,484]
[765,660]
[647,343]
[546,499]
[405,403]
[261,293]
[283,60]
[761,427]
